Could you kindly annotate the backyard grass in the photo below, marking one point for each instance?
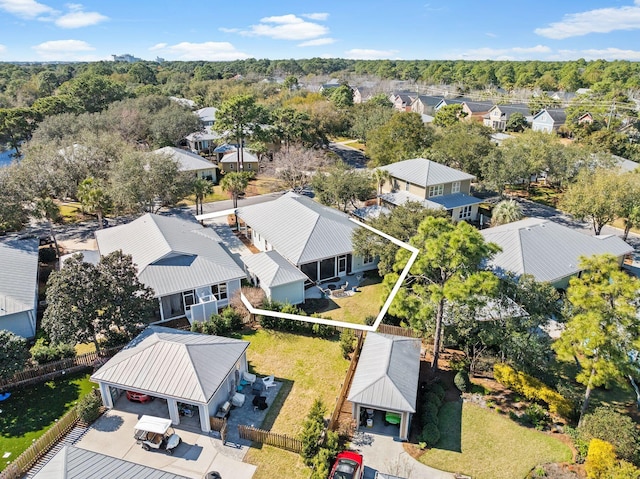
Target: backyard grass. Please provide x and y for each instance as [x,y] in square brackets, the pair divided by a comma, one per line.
[354,309]
[539,194]
[263,185]
[486,445]
[71,212]
[310,368]
[217,195]
[29,412]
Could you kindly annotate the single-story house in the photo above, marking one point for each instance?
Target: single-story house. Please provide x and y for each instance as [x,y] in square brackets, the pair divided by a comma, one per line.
[190,162]
[548,120]
[548,251]
[19,285]
[280,280]
[385,383]
[434,185]
[179,366]
[229,161]
[314,238]
[184,263]
[585,118]
[72,462]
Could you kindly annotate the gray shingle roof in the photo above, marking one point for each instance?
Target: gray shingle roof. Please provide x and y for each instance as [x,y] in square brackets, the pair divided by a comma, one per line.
[387,373]
[75,463]
[187,161]
[300,229]
[429,100]
[508,110]
[272,269]
[557,115]
[168,362]
[547,250]
[423,172]
[478,106]
[172,254]
[18,275]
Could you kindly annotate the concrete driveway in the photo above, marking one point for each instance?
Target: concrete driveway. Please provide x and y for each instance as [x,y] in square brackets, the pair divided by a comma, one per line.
[112,434]
[385,455]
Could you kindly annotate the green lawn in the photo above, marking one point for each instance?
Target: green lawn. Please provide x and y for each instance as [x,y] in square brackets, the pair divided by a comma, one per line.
[487,445]
[29,412]
[539,193]
[310,368]
[354,309]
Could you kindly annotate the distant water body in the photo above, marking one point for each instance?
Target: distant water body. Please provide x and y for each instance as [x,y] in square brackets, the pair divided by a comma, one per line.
[6,157]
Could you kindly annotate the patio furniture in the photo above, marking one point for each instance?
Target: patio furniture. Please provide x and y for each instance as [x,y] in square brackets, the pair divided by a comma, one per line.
[237,399]
[258,387]
[259,403]
[392,418]
[223,411]
[269,381]
[4,396]
[248,377]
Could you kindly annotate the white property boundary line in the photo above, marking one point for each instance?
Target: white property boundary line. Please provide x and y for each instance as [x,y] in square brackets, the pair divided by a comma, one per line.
[330,322]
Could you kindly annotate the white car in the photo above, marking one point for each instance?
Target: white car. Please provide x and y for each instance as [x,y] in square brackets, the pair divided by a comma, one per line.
[156,433]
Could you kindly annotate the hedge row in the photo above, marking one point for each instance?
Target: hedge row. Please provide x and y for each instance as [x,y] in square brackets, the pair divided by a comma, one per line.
[533,389]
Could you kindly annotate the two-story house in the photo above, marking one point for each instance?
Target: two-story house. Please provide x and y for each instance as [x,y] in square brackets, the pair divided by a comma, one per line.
[548,120]
[425,104]
[432,184]
[205,140]
[402,100]
[499,115]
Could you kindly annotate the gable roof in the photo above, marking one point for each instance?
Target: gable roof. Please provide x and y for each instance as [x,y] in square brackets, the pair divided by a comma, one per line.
[272,269]
[19,276]
[557,115]
[187,160]
[478,106]
[232,157]
[508,110]
[429,100]
[171,254]
[169,362]
[387,373]
[547,250]
[423,172]
[318,231]
[207,113]
[75,463]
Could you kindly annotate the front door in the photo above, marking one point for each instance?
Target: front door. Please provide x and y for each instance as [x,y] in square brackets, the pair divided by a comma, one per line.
[342,265]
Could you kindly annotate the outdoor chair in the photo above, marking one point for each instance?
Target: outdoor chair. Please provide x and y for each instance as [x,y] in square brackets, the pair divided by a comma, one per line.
[248,377]
[238,399]
[269,381]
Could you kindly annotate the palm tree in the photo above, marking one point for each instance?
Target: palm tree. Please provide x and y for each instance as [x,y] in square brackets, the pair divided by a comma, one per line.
[507,211]
[201,188]
[45,208]
[381,177]
[235,183]
[93,198]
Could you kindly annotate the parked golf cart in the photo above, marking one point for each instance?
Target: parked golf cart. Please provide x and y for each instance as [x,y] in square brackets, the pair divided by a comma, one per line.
[156,433]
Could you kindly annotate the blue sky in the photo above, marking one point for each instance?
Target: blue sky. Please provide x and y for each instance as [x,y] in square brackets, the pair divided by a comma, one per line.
[402,29]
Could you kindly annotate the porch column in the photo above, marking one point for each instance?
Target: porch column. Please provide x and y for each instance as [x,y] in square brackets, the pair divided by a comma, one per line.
[105,392]
[205,424]
[404,426]
[161,311]
[174,415]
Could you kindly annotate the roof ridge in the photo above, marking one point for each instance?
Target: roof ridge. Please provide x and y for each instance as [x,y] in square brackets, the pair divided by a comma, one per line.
[195,370]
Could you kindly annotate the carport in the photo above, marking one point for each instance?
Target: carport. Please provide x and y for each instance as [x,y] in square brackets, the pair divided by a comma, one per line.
[181,367]
[385,385]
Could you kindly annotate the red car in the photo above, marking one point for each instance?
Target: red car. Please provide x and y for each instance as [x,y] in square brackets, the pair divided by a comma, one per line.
[138,397]
[348,465]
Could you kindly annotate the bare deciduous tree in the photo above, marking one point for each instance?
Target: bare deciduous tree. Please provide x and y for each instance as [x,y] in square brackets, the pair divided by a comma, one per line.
[296,166]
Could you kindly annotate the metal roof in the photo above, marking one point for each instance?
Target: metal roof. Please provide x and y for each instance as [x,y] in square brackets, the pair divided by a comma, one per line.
[171,254]
[301,229]
[272,269]
[232,157]
[167,362]
[19,275]
[547,250]
[423,172]
[387,373]
[455,200]
[187,161]
[401,197]
[207,113]
[75,463]
[206,134]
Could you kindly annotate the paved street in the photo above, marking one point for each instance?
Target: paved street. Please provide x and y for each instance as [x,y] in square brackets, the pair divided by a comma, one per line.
[351,156]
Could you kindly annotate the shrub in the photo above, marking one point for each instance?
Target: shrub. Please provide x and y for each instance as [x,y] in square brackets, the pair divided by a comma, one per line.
[347,337]
[47,255]
[430,434]
[369,320]
[323,330]
[232,319]
[89,407]
[42,353]
[433,398]
[461,380]
[429,413]
[606,424]
[312,428]
[536,416]
[439,391]
[601,458]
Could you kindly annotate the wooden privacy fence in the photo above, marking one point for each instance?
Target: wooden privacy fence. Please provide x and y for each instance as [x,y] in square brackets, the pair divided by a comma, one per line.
[56,368]
[281,441]
[220,425]
[344,390]
[397,331]
[41,446]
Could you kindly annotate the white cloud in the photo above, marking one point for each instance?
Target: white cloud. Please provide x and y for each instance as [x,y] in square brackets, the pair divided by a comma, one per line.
[286,27]
[317,42]
[536,49]
[229,30]
[598,54]
[601,20]
[492,35]
[316,16]
[369,54]
[65,50]
[2,49]
[78,19]
[211,51]
[25,8]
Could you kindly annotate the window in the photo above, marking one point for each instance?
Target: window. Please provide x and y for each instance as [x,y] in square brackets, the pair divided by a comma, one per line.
[455,187]
[406,186]
[368,259]
[436,190]
[220,291]
[248,166]
[465,212]
[189,299]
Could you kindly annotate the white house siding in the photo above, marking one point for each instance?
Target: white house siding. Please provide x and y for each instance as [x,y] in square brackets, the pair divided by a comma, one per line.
[457,215]
[259,242]
[358,265]
[23,323]
[292,293]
